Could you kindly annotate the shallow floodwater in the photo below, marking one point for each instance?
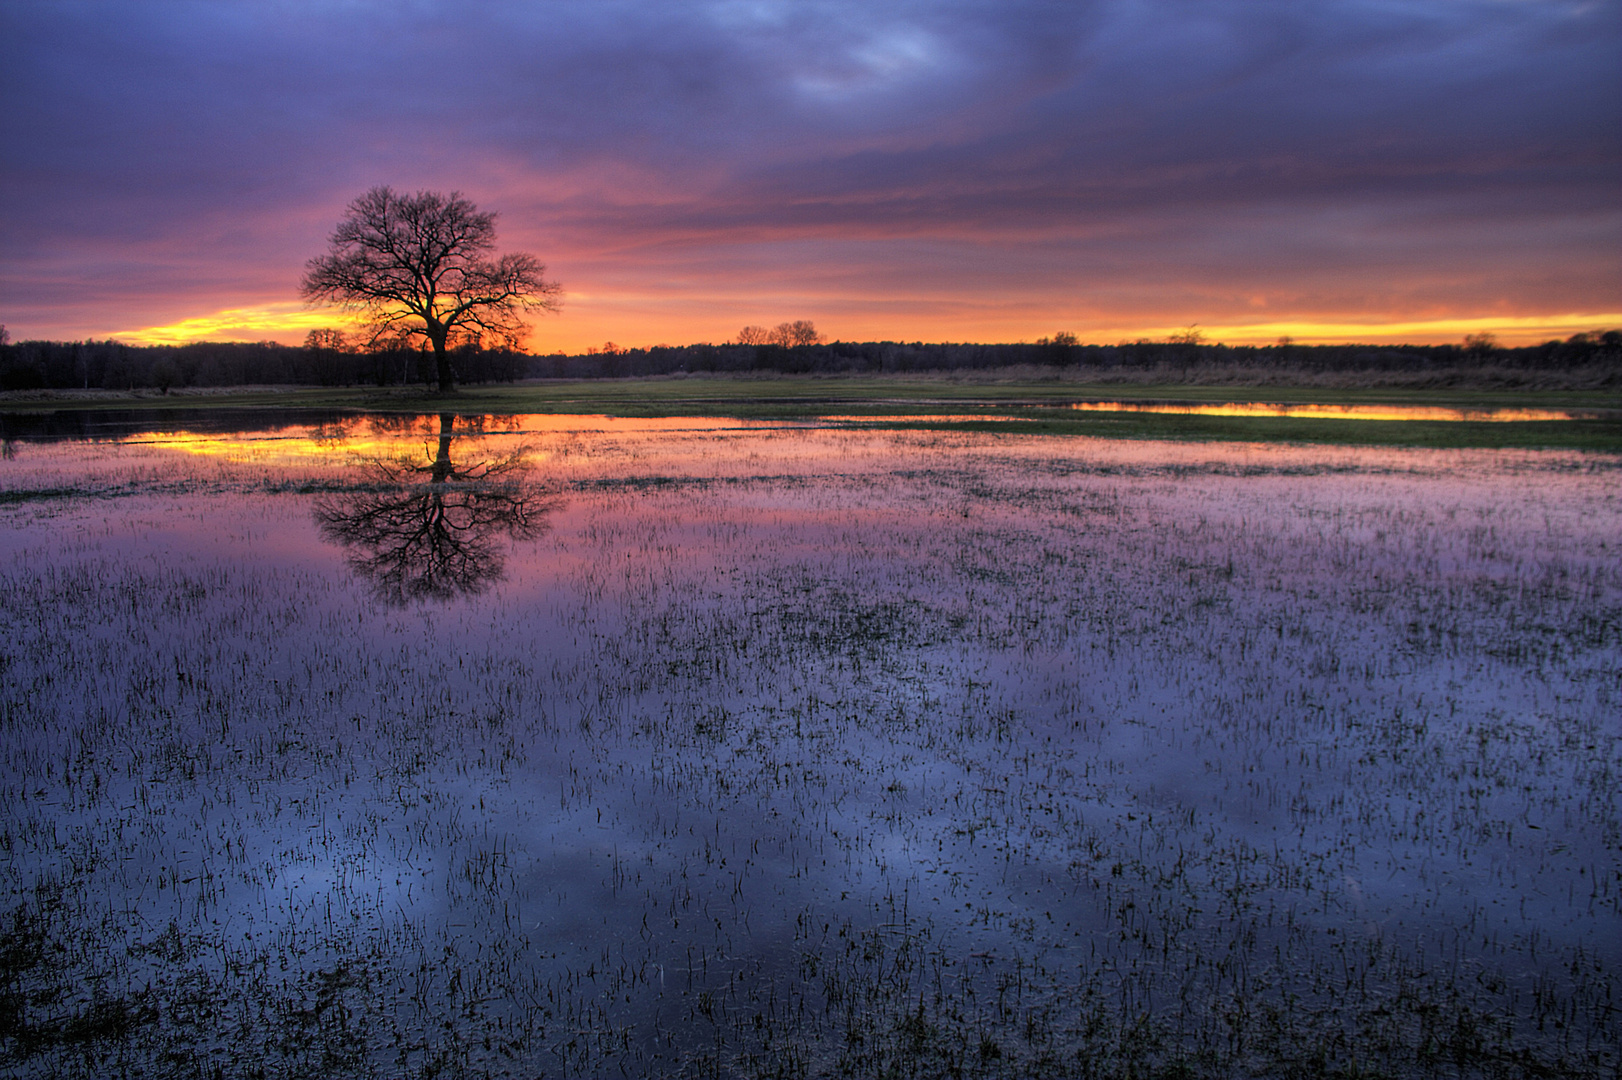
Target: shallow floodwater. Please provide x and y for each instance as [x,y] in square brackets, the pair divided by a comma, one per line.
[570,746]
[1341,412]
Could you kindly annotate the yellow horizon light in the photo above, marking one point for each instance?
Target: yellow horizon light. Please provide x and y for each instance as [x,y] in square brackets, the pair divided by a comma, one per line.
[264,322]
[1508,329]
[289,322]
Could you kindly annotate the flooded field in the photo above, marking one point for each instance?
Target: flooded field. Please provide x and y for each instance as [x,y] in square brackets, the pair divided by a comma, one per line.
[1344,412]
[562,746]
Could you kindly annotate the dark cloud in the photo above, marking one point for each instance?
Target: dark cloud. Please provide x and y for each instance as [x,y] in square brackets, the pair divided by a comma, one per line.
[183,149]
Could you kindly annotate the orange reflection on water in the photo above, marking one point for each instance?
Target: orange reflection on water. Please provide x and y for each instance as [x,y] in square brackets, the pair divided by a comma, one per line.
[385,437]
[919,418]
[259,446]
[1334,412]
[382,437]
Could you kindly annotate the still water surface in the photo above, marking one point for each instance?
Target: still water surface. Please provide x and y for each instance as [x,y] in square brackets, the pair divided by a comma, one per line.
[1431,413]
[546,745]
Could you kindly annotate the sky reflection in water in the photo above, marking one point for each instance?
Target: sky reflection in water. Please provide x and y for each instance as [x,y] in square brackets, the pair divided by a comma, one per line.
[1433,413]
[1174,724]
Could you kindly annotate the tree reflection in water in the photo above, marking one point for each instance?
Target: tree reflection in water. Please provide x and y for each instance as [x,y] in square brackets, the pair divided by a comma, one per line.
[432,531]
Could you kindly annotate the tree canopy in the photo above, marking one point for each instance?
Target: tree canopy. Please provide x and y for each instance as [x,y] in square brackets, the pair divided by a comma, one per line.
[420,267]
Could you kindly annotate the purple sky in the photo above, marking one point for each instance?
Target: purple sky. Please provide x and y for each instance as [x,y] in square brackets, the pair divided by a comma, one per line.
[978,170]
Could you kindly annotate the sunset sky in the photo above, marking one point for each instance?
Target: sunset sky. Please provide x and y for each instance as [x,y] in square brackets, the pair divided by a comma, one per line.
[977,170]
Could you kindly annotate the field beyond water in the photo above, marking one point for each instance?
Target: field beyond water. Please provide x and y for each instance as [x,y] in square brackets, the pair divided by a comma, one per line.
[543,744]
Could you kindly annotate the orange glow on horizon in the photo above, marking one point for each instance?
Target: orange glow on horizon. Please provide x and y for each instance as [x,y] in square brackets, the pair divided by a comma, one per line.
[596,320]
[287,324]
[1507,329]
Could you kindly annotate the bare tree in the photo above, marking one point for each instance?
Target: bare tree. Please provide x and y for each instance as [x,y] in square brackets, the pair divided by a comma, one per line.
[1060,346]
[419,266]
[799,332]
[1480,346]
[324,349]
[753,335]
[327,338]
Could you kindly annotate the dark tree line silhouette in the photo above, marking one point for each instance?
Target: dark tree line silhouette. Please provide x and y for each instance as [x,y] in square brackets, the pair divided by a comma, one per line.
[325,361]
[1063,351]
[112,365]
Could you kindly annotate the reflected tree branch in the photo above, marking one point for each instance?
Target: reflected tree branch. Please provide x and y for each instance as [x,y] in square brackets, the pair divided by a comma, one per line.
[434,531]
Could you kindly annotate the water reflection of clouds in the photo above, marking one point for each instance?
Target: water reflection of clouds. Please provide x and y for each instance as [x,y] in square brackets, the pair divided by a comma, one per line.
[1004,696]
[1430,413]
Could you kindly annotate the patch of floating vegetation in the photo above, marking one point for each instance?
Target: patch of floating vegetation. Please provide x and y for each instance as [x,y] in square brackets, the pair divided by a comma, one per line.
[816,753]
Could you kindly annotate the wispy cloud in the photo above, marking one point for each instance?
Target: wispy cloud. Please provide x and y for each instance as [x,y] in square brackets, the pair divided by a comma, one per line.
[1147,162]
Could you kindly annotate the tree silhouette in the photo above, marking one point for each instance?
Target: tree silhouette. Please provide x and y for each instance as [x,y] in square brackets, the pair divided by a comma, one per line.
[1480,346]
[431,531]
[419,266]
[799,332]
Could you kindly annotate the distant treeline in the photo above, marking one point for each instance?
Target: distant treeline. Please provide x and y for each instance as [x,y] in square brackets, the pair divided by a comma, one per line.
[112,365]
[1063,352]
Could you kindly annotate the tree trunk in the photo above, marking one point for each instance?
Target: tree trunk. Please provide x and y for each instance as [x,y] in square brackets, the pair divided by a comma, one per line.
[442,363]
[443,470]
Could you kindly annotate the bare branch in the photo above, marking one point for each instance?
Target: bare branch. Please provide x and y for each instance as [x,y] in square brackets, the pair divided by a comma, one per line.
[418,267]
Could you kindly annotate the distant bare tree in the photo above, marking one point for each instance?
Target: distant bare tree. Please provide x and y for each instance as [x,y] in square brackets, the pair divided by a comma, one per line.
[800,332]
[1191,335]
[753,335]
[325,338]
[1480,346]
[419,266]
[324,350]
[1060,345]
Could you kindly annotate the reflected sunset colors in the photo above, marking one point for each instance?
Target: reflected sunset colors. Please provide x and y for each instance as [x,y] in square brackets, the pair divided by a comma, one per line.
[1340,412]
[577,742]
[369,438]
[384,437]
[433,529]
